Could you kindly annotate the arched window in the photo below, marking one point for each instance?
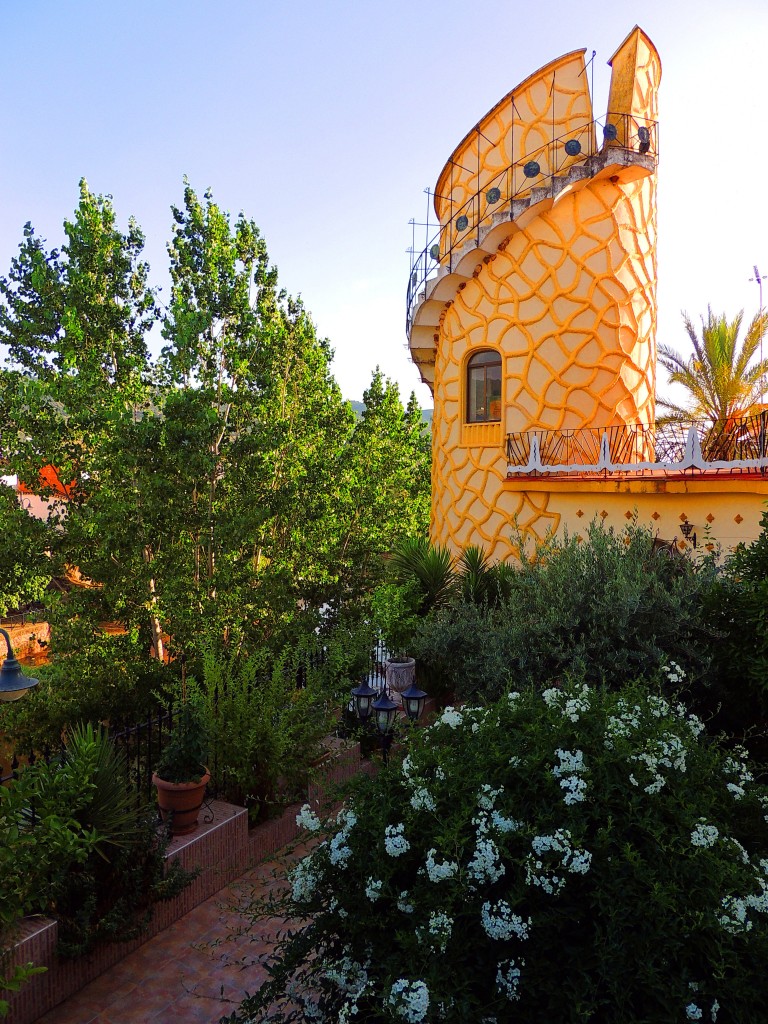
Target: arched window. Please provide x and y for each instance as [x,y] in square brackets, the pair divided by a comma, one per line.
[484,388]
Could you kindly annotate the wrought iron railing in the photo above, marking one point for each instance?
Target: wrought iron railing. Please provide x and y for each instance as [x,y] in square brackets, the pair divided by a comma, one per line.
[616,131]
[735,444]
[143,742]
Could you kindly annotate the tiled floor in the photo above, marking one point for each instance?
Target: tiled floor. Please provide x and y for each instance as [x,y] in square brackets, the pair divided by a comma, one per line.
[192,973]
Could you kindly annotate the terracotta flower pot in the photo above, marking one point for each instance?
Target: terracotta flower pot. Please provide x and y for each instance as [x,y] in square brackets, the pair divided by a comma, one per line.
[180,802]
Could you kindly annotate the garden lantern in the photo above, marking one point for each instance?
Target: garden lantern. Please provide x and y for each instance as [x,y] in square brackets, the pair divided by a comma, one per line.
[363,696]
[414,700]
[385,710]
[13,682]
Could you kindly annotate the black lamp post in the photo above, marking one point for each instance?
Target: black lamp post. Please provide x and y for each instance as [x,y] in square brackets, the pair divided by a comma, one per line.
[384,710]
[13,682]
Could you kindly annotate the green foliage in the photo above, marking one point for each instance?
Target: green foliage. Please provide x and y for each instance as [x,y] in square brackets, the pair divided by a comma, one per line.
[736,610]
[37,853]
[394,613]
[77,847]
[25,568]
[578,834]
[609,608]
[382,487]
[111,809]
[185,754]
[218,489]
[428,566]
[718,377]
[94,677]
[12,982]
[112,901]
[264,728]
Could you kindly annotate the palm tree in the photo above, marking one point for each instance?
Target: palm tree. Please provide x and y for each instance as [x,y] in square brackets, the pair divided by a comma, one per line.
[718,378]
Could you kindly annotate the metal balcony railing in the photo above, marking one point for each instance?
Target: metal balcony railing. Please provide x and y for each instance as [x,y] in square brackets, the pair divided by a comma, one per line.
[540,167]
[732,445]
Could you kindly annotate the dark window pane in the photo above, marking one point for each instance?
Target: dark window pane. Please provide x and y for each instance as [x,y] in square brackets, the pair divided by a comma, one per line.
[484,387]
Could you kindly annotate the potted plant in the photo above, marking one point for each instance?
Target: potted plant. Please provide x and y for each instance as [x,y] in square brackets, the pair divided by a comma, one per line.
[181,776]
[395,615]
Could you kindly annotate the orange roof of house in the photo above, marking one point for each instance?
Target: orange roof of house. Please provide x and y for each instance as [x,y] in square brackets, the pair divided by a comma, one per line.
[48,479]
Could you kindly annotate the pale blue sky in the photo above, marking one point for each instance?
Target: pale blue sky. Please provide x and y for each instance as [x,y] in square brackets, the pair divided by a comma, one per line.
[324,122]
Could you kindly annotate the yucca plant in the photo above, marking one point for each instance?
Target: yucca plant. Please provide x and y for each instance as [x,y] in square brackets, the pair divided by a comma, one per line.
[429,566]
[100,768]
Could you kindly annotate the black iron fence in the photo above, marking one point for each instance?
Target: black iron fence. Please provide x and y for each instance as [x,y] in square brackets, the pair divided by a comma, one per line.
[143,742]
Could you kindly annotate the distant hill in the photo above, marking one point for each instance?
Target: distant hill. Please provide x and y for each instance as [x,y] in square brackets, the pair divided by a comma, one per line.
[357,408]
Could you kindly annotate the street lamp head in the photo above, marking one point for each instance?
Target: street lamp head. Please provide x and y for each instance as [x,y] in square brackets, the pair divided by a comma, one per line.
[13,683]
[363,696]
[413,701]
[385,711]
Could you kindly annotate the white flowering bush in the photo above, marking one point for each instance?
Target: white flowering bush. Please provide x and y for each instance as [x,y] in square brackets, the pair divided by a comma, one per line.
[576,855]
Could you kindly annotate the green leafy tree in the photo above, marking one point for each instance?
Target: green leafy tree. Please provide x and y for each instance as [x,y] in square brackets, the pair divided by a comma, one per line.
[384,483]
[254,427]
[718,377]
[25,566]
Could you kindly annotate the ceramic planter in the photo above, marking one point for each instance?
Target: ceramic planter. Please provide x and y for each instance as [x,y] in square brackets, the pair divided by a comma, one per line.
[401,673]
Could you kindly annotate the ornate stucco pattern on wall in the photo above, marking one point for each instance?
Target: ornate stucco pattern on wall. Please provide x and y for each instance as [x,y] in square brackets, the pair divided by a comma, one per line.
[568,299]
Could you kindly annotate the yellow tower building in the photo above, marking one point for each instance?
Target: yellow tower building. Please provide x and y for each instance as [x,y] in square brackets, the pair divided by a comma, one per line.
[532,317]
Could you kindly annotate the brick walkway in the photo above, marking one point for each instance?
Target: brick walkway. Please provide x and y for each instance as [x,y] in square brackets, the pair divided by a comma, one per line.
[191,973]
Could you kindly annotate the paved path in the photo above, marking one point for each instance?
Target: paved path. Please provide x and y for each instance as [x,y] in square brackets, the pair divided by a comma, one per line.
[191,973]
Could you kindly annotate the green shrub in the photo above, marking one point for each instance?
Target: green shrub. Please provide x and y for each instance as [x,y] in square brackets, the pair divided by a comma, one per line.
[577,855]
[108,679]
[76,846]
[264,729]
[608,608]
[736,610]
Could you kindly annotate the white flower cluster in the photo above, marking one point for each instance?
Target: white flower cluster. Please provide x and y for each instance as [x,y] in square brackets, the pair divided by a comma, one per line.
[569,859]
[704,835]
[403,903]
[304,879]
[438,931]
[673,672]
[350,976]
[410,1000]
[513,698]
[658,707]
[487,796]
[693,1012]
[572,705]
[621,725]
[439,872]
[306,818]
[495,821]
[569,771]
[485,866]
[735,918]
[508,979]
[736,768]
[500,923]
[666,752]
[395,842]
[451,717]
[373,889]
[340,852]
[422,799]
